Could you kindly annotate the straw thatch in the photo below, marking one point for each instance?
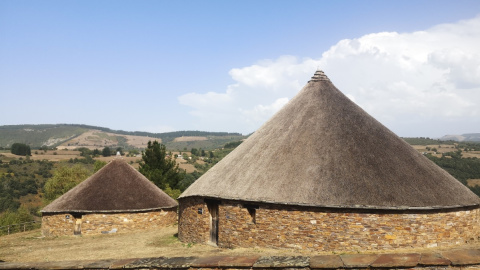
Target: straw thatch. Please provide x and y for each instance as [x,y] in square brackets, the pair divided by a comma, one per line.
[117,187]
[323,150]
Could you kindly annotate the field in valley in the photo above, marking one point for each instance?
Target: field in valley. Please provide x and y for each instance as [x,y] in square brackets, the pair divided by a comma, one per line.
[65,155]
[444,148]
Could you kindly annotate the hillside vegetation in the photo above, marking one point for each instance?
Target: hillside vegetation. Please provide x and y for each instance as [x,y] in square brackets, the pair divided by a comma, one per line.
[69,136]
[468,137]
[23,178]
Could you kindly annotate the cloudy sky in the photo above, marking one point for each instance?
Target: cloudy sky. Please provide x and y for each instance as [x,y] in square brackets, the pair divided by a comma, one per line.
[163,66]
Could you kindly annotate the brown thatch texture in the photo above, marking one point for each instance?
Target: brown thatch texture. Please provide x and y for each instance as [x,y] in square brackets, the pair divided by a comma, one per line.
[322,149]
[117,187]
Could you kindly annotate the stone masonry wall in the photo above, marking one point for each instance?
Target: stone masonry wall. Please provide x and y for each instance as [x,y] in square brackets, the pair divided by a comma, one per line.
[321,229]
[58,224]
[193,227]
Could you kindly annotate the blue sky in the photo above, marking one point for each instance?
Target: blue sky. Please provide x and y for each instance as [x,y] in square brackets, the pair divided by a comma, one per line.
[162,66]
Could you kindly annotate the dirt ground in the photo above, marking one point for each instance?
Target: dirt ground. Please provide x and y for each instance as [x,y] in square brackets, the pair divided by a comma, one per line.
[32,247]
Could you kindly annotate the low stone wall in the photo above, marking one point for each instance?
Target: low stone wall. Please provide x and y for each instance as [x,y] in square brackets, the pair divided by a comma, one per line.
[463,259]
[64,224]
[321,229]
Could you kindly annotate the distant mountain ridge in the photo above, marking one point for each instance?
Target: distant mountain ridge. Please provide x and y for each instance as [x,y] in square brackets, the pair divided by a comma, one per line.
[55,135]
[468,137]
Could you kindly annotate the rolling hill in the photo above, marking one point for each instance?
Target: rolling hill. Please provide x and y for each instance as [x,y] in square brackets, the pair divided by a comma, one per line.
[469,137]
[70,136]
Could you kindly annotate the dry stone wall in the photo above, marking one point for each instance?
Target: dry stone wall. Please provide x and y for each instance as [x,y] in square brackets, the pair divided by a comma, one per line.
[320,229]
[58,224]
[194,221]
[64,224]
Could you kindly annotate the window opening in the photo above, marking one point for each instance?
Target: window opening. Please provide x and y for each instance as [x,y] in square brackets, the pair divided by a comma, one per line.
[252,210]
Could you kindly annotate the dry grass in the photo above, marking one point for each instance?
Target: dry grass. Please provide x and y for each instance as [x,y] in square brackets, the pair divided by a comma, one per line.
[190,139]
[189,168]
[49,155]
[473,182]
[32,247]
[98,139]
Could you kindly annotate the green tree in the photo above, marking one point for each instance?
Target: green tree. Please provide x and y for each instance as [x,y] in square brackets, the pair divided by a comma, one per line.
[163,171]
[15,217]
[21,149]
[106,152]
[133,152]
[7,202]
[84,151]
[64,179]
[98,165]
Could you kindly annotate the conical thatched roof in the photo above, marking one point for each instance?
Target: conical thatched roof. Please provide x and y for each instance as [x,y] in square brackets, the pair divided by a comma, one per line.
[117,187]
[323,150]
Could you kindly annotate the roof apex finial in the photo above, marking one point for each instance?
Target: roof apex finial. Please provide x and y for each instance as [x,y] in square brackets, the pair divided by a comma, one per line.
[319,76]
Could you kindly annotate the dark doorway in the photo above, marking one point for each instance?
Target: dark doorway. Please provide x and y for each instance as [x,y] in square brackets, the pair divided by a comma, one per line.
[213,210]
[77,230]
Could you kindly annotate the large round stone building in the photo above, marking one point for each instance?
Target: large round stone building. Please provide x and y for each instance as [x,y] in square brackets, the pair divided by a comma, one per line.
[323,175]
[117,198]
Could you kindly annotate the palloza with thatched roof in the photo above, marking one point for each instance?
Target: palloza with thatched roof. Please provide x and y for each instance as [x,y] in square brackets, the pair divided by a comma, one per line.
[116,198]
[322,174]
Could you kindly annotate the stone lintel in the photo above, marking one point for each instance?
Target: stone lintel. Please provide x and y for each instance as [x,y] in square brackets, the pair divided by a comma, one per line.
[433,259]
[282,262]
[358,260]
[326,262]
[120,264]
[396,260]
[463,257]
[144,263]
[208,262]
[238,261]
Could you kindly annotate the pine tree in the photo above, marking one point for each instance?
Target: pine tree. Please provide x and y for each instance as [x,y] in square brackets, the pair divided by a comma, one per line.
[163,171]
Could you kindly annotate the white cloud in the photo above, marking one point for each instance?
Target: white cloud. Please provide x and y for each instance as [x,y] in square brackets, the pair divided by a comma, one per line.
[261,112]
[260,91]
[412,82]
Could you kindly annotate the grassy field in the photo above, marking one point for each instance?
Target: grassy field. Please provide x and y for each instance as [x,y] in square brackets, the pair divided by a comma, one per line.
[32,247]
[444,148]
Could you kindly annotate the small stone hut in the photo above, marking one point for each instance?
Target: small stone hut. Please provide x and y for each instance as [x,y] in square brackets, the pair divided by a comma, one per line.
[323,175]
[117,198]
